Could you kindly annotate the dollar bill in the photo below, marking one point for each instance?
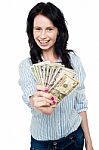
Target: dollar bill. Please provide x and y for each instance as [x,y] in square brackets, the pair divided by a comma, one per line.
[53,72]
[38,70]
[65,85]
[35,75]
[59,79]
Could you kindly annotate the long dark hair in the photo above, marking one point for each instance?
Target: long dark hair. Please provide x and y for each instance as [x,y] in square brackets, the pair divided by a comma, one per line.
[56,16]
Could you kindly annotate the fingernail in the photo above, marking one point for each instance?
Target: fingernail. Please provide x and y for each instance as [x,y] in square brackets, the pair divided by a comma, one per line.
[53,100]
[46,89]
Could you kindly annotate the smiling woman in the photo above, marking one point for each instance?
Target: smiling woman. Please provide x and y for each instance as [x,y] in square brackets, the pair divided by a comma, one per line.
[66,126]
[45,34]
[52,17]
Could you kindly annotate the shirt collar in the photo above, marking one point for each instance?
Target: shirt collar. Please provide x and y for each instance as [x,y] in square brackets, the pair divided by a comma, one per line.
[57,61]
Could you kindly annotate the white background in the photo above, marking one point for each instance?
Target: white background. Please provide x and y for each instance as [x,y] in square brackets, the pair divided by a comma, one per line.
[83,25]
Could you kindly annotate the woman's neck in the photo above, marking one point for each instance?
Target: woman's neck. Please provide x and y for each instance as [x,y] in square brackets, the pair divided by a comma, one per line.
[50,56]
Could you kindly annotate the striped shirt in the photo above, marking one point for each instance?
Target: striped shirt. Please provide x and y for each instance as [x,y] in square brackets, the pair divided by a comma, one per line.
[65,117]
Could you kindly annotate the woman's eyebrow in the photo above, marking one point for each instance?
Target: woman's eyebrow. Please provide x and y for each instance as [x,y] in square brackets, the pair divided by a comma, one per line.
[42,27]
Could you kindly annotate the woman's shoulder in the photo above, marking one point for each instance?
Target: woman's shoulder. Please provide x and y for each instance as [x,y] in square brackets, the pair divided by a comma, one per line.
[73,55]
[77,63]
[75,59]
[24,65]
[25,62]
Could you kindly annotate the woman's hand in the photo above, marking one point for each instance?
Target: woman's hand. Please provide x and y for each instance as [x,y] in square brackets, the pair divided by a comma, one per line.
[88,145]
[42,100]
[85,127]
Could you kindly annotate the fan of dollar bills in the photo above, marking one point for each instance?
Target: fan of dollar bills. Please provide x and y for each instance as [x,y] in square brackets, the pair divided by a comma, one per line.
[59,79]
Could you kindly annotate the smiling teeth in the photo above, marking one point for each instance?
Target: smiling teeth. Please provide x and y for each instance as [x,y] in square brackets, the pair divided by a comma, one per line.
[43,42]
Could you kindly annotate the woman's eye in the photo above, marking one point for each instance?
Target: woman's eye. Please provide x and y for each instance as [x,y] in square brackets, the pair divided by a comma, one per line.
[49,29]
[37,29]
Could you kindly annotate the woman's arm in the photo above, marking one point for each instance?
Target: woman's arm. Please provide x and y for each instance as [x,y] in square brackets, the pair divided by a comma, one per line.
[81,103]
[84,124]
[46,110]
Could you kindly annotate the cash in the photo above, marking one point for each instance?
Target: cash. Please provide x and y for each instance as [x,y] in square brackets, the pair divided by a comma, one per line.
[60,80]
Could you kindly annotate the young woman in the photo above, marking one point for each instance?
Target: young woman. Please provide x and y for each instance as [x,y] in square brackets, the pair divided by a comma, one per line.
[64,127]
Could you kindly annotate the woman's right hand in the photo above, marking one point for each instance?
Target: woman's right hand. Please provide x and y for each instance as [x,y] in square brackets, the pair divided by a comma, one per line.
[42,100]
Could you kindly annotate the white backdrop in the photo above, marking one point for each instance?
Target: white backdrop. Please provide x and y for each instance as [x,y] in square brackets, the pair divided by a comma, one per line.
[83,25]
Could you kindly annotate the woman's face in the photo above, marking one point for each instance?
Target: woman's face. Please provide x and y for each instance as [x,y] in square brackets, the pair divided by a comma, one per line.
[45,33]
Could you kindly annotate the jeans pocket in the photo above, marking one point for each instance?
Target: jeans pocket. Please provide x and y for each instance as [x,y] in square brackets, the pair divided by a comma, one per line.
[37,148]
[79,138]
[34,149]
[38,145]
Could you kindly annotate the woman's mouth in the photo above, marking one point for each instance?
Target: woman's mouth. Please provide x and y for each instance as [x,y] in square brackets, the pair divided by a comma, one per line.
[44,42]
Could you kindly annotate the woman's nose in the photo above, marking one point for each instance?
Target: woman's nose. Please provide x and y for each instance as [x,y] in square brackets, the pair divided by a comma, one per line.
[43,34]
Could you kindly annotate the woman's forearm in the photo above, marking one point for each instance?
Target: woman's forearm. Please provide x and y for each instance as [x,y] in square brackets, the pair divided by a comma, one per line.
[46,110]
[85,128]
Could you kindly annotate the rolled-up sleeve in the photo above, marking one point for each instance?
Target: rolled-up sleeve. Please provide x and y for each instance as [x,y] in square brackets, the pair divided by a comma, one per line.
[26,81]
[81,103]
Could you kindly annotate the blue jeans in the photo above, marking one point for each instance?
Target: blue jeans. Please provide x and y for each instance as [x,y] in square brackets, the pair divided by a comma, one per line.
[73,141]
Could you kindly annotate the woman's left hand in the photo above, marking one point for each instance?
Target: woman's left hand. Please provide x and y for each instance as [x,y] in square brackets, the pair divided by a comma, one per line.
[89,146]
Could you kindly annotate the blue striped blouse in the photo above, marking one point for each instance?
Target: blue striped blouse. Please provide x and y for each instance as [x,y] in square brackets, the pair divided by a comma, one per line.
[65,117]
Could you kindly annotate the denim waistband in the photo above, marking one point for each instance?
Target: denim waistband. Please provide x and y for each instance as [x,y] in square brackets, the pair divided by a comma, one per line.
[62,142]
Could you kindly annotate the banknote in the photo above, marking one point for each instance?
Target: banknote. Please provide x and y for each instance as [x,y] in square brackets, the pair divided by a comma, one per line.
[59,74]
[54,73]
[65,86]
[38,71]
[34,73]
[60,80]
